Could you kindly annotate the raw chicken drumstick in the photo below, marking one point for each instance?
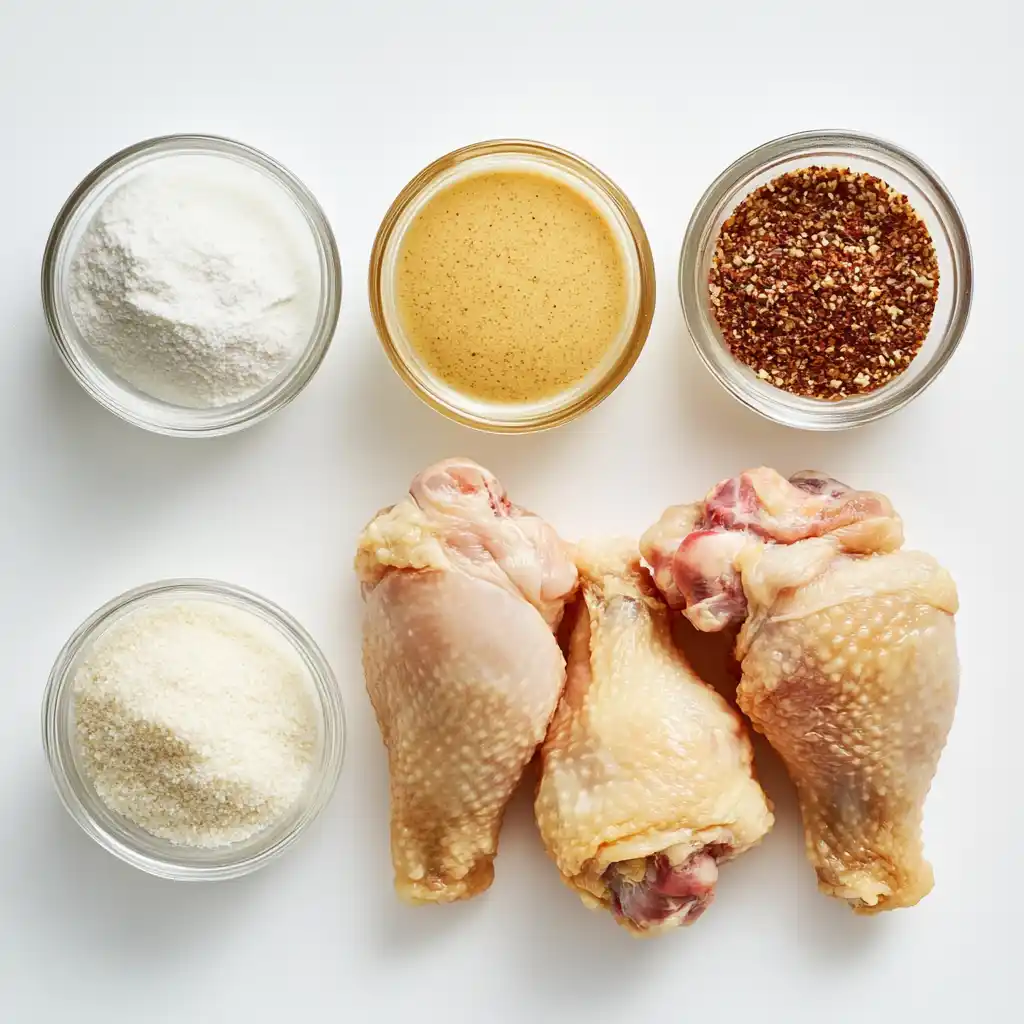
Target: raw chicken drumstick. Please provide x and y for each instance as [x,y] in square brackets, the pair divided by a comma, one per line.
[848,655]
[463,590]
[647,782]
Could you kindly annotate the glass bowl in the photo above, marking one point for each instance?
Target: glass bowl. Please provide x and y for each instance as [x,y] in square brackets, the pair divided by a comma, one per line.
[861,153]
[610,201]
[122,837]
[88,368]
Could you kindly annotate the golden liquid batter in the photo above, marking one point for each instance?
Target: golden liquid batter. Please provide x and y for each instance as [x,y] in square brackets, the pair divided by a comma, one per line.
[511,285]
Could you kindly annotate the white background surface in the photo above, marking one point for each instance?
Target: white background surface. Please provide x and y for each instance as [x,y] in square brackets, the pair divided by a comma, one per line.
[356,99]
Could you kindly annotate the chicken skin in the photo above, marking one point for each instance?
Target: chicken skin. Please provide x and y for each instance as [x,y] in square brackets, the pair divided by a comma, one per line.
[647,783]
[462,591]
[848,657]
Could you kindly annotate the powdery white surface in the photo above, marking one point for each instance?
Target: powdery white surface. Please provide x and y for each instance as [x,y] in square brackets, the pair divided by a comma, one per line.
[356,98]
[197,280]
[196,721]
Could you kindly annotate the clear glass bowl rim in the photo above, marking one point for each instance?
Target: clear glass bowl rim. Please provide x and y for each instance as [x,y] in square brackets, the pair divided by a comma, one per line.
[759,159]
[208,422]
[597,179]
[67,780]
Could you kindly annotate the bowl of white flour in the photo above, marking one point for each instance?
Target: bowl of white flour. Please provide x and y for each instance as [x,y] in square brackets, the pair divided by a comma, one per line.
[192,285]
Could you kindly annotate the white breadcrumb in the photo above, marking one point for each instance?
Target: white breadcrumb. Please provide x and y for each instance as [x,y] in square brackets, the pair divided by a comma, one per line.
[196,721]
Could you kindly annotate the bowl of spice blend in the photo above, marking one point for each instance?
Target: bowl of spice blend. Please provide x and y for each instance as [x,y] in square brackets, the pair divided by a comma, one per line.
[193,729]
[826,279]
[192,285]
[512,285]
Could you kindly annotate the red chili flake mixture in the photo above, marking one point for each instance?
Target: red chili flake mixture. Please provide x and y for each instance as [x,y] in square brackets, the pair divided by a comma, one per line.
[824,282]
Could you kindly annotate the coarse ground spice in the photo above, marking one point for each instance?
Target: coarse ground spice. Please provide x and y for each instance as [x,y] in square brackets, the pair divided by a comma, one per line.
[824,282]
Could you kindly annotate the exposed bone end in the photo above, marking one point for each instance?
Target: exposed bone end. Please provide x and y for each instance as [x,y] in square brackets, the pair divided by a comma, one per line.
[658,893]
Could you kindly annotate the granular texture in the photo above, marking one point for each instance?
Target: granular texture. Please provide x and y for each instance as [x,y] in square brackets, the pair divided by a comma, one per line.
[824,282]
[196,721]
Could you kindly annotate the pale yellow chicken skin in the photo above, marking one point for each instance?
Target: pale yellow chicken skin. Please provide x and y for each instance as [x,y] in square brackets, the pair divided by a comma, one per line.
[647,781]
[848,655]
[856,693]
[462,590]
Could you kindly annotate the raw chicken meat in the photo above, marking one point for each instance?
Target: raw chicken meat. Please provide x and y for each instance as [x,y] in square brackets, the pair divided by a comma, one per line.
[849,660]
[647,783]
[463,591]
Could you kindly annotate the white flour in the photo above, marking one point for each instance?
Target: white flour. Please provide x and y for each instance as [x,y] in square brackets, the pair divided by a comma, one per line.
[197,281]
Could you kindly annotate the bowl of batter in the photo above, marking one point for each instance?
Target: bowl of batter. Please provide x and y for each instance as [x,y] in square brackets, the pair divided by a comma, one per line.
[512,285]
